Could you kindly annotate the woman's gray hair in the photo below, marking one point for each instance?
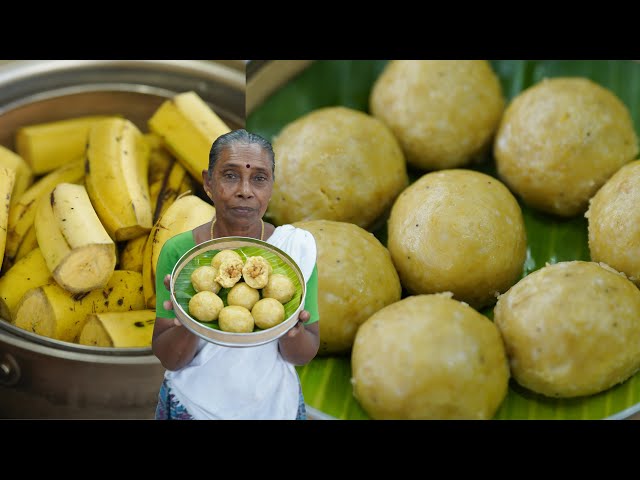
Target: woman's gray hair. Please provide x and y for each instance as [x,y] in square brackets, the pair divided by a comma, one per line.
[237,137]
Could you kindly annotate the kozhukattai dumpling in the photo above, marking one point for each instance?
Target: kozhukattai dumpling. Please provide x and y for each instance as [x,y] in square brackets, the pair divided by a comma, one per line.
[458,231]
[267,313]
[279,287]
[205,306]
[223,255]
[204,278]
[571,329]
[429,357]
[243,295]
[236,319]
[560,140]
[614,222]
[256,271]
[229,272]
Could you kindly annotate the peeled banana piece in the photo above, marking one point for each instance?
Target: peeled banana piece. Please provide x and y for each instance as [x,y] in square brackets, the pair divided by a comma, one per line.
[7,180]
[77,249]
[119,329]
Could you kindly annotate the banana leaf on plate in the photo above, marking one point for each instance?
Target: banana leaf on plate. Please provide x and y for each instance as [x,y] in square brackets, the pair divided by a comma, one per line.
[326,380]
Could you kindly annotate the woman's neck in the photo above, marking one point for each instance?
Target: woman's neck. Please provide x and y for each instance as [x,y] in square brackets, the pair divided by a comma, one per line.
[219,229]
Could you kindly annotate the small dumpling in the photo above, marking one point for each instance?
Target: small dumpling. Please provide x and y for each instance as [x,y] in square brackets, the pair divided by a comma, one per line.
[236,319]
[256,271]
[205,306]
[267,313]
[223,255]
[203,278]
[279,287]
[243,295]
[230,272]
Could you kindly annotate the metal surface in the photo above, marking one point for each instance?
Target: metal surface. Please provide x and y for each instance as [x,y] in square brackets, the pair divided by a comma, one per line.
[47,378]
[231,339]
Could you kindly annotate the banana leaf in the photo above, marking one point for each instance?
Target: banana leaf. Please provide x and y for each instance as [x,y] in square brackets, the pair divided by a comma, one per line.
[326,380]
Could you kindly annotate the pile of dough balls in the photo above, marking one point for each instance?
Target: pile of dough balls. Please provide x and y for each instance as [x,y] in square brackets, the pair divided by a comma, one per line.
[255,298]
[560,140]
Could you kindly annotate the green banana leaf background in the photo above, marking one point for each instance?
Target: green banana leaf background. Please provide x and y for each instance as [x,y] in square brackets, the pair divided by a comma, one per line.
[326,380]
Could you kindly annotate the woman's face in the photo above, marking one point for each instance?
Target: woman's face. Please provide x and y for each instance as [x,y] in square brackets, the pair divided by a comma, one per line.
[241,185]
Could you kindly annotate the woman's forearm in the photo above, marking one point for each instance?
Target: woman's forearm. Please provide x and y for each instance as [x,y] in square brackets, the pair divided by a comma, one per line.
[175,346]
[300,344]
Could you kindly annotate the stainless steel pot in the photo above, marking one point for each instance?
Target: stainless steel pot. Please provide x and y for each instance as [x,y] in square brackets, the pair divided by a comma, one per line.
[45,378]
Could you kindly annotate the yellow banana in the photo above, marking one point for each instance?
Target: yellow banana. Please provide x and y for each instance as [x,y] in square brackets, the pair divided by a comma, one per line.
[53,312]
[29,272]
[77,249]
[188,127]
[24,175]
[23,211]
[116,178]
[7,180]
[160,160]
[184,214]
[29,242]
[120,330]
[170,189]
[48,146]
[131,255]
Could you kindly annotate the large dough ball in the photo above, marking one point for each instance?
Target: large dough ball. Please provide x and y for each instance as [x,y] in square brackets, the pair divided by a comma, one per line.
[459,231]
[243,295]
[205,306]
[614,222]
[444,112]
[560,140]
[267,313]
[338,164]
[236,319]
[571,329]
[429,357]
[356,278]
[204,278]
[279,287]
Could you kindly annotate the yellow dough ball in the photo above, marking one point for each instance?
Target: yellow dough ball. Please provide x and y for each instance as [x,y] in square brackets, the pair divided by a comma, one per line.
[230,272]
[243,295]
[223,255]
[443,112]
[560,140]
[571,329]
[205,306]
[267,313]
[338,164]
[203,278]
[429,357]
[458,231]
[256,271]
[236,319]
[279,287]
[356,278]
[614,222]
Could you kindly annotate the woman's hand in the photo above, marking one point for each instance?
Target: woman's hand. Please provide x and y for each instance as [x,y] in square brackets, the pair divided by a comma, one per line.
[168,304]
[300,344]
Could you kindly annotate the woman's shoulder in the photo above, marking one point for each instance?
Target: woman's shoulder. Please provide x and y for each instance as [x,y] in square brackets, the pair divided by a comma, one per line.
[298,243]
[291,233]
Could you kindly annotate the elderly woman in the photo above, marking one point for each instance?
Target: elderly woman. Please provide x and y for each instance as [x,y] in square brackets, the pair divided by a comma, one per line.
[208,381]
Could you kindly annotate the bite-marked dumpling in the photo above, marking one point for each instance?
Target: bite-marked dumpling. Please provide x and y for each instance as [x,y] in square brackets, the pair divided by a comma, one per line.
[223,255]
[230,272]
[256,271]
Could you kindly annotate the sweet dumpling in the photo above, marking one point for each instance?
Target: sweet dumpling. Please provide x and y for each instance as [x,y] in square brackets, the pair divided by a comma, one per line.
[230,272]
[243,295]
[279,287]
[256,271]
[205,306]
[223,255]
[268,313]
[203,278]
[236,319]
